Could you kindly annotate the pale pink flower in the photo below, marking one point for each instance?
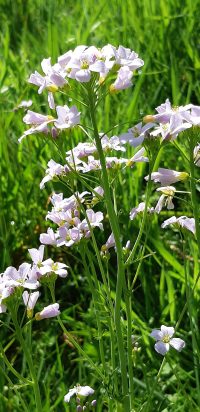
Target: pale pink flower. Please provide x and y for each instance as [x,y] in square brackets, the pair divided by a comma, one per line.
[166,176]
[166,112]
[48,238]
[110,242]
[82,150]
[49,311]
[113,162]
[136,134]
[53,79]
[37,255]
[23,277]
[68,237]
[193,116]
[67,117]
[139,209]
[127,57]
[54,169]
[94,218]
[138,157]
[182,221]
[112,143]
[49,266]
[123,80]
[164,340]
[169,131]
[5,292]
[85,60]
[39,123]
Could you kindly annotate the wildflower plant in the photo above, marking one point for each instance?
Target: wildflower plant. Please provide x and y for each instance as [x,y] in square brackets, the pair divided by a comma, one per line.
[82,78]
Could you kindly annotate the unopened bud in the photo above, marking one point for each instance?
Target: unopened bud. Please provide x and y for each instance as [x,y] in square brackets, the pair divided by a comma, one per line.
[112,89]
[148,119]
[52,88]
[93,403]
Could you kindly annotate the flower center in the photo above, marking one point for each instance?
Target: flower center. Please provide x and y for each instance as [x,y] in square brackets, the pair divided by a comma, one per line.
[84,64]
[54,266]
[166,339]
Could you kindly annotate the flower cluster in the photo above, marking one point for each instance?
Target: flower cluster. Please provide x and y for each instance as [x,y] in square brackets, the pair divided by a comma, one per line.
[167,124]
[66,214]
[84,158]
[74,216]
[40,123]
[28,277]
[166,177]
[82,63]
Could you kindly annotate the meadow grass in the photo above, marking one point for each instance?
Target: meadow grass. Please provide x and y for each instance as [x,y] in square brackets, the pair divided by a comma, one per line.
[165,34]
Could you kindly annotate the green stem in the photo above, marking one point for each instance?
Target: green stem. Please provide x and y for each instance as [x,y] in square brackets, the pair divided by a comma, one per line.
[29,361]
[120,261]
[195,202]
[192,326]
[13,370]
[144,219]
[154,386]
[95,296]
[127,294]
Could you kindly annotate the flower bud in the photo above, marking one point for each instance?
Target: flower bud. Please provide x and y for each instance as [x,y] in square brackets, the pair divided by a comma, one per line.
[53,88]
[94,403]
[148,119]
[48,312]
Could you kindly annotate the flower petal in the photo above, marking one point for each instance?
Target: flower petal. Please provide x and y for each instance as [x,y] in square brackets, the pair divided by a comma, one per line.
[177,343]
[156,334]
[85,391]
[69,395]
[161,347]
[167,330]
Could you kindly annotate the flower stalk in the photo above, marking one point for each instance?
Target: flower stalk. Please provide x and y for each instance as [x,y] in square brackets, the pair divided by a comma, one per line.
[120,260]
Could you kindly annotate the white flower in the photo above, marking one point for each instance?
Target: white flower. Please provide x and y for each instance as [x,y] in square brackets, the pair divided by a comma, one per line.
[30,300]
[165,199]
[164,339]
[78,391]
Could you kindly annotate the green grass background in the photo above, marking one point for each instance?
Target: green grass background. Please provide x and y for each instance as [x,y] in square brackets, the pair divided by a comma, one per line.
[166,36]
